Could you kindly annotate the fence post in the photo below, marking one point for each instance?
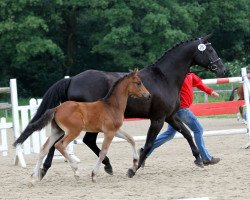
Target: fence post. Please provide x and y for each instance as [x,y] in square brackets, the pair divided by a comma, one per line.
[42,134]
[35,135]
[24,123]
[4,138]
[246,88]
[15,117]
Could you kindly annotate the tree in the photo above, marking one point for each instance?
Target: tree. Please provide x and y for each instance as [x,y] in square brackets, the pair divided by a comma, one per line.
[230,23]
[136,33]
[26,49]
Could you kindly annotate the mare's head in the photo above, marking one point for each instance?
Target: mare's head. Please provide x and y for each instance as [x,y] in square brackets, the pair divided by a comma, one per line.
[135,86]
[206,56]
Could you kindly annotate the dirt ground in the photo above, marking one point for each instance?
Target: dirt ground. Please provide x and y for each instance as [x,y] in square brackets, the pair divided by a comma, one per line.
[169,173]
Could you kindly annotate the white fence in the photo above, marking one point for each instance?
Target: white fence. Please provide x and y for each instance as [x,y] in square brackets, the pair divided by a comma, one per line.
[38,138]
[3,132]
[21,116]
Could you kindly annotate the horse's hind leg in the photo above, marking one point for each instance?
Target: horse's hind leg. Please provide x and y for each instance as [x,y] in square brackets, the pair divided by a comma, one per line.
[48,160]
[56,133]
[61,146]
[121,134]
[180,127]
[90,140]
[108,137]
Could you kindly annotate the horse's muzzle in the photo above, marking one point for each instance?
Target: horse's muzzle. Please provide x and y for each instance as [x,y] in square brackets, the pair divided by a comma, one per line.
[147,96]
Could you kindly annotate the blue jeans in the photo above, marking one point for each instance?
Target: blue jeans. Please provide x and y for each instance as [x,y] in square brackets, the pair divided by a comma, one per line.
[188,118]
[245,116]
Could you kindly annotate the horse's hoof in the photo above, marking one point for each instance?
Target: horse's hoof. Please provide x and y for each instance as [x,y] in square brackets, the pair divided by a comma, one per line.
[199,163]
[130,173]
[108,169]
[93,176]
[42,173]
[32,181]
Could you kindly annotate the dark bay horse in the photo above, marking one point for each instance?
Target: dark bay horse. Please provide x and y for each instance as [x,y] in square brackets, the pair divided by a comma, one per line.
[71,117]
[163,79]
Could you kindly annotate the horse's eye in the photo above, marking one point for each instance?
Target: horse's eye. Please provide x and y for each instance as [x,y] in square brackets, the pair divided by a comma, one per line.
[210,50]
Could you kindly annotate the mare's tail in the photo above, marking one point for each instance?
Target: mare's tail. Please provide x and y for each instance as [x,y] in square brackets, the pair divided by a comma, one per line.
[55,95]
[231,98]
[35,126]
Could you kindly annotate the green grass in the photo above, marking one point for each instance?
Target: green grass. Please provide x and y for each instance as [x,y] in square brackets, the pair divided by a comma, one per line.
[224,95]
[220,116]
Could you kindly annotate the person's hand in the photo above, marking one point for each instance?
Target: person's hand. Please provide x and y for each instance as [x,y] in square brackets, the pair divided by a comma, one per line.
[215,94]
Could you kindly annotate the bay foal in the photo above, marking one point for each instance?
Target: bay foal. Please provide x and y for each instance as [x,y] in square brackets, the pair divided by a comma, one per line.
[105,115]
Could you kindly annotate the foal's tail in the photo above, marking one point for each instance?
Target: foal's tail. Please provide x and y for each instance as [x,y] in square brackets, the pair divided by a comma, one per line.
[35,126]
[55,95]
[231,98]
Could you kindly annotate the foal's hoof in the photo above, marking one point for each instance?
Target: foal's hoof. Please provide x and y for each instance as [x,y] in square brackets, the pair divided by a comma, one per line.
[130,173]
[199,163]
[32,180]
[93,176]
[108,169]
[42,173]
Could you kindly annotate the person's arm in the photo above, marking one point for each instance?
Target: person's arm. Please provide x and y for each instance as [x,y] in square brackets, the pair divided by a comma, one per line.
[197,82]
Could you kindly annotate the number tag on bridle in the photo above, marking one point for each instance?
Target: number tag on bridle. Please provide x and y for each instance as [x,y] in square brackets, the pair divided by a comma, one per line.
[202,47]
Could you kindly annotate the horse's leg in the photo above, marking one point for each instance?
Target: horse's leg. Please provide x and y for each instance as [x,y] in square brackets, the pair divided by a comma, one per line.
[90,140]
[176,123]
[61,146]
[121,134]
[241,112]
[108,137]
[48,161]
[56,133]
[154,129]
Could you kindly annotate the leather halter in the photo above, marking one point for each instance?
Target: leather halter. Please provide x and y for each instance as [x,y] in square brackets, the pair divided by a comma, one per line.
[211,66]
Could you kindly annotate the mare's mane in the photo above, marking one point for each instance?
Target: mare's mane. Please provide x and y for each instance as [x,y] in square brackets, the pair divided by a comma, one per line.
[111,90]
[151,65]
[171,49]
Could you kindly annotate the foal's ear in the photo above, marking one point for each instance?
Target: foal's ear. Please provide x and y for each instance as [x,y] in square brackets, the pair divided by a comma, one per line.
[205,38]
[135,71]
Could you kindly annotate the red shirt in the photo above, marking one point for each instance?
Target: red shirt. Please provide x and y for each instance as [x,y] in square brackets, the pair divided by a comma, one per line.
[187,93]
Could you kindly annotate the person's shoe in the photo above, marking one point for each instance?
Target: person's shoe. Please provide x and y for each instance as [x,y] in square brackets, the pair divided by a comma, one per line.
[139,152]
[213,161]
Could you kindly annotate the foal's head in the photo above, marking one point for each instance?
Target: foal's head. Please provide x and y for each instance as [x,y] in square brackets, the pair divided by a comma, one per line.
[136,87]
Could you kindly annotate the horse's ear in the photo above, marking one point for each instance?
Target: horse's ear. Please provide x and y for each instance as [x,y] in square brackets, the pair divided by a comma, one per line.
[136,70]
[205,38]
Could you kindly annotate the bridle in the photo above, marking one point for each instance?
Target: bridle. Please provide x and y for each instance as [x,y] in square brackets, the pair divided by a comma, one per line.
[212,67]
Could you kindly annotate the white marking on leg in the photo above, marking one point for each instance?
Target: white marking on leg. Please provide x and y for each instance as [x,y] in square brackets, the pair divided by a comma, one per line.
[55,135]
[61,146]
[108,137]
[122,134]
